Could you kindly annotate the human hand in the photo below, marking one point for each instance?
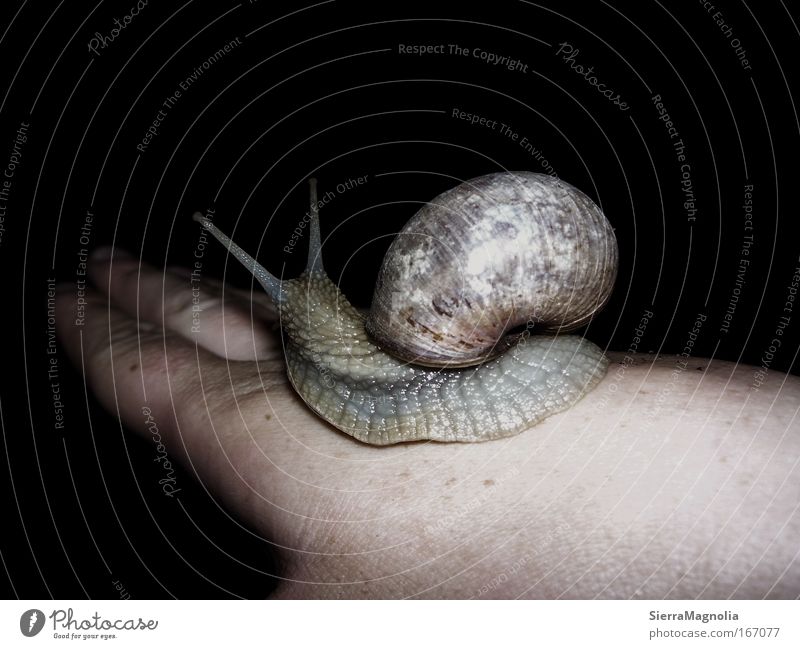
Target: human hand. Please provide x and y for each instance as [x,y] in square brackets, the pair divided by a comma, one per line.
[657,484]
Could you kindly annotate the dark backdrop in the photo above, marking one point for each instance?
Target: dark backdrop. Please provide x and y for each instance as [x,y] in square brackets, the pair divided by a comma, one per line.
[324,90]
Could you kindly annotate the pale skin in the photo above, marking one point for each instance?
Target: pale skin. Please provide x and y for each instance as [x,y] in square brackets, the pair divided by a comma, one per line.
[662,482]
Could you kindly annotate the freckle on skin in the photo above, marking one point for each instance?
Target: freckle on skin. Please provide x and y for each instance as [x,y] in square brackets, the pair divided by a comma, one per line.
[134,366]
[268,416]
[488,483]
[450,482]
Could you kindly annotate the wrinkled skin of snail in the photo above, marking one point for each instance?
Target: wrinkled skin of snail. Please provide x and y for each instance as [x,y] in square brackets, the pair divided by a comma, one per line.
[360,388]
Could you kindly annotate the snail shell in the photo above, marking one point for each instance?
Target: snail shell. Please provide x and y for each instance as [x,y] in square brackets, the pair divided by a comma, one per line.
[494,253]
[537,243]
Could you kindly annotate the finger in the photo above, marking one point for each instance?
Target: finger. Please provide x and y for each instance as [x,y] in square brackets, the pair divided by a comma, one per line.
[133,369]
[253,297]
[175,394]
[210,315]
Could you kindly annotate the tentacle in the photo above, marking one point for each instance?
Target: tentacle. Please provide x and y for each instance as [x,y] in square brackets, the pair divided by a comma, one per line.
[270,283]
[314,264]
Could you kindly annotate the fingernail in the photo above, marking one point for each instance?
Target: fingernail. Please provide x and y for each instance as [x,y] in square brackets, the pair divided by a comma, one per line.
[104,253]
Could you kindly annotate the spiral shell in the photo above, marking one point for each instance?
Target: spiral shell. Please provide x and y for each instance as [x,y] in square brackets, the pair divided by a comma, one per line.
[496,253]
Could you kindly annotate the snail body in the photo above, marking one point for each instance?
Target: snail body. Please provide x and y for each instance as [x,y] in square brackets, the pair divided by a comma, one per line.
[408,372]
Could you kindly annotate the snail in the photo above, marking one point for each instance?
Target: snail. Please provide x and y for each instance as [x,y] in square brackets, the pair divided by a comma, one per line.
[446,353]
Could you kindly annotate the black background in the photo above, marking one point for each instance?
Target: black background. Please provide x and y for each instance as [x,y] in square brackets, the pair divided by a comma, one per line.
[322,90]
